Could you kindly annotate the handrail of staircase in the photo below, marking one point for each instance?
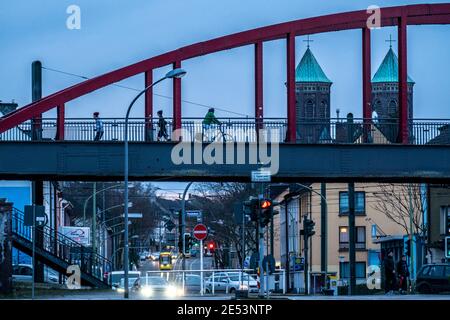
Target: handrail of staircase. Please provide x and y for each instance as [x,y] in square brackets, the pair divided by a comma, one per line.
[95,260]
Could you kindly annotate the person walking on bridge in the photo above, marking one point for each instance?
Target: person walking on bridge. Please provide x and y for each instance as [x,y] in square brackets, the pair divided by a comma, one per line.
[98,127]
[162,125]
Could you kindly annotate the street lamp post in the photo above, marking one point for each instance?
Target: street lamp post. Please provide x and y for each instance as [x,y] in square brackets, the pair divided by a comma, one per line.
[175,73]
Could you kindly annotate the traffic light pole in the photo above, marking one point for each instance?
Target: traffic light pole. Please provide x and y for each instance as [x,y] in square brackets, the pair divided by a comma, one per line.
[183,224]
[306,264]
[261,244]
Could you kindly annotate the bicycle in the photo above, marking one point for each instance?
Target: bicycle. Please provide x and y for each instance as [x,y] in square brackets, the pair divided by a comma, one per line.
[221,135]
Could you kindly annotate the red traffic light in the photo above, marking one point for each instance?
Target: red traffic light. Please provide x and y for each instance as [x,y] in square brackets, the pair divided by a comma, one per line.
[265,204]
[211,245]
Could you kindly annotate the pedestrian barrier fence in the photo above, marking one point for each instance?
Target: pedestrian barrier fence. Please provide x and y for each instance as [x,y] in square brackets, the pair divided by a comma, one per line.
[219,281]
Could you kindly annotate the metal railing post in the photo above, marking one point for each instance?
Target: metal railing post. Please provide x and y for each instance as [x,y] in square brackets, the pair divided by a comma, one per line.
[213,283]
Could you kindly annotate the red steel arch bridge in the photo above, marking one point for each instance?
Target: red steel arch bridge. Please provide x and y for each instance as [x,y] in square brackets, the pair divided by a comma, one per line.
[420,150]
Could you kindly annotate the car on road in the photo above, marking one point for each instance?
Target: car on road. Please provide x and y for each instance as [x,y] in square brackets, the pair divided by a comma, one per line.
[192,283]
[143,257]
[117,279]
[229,282]
[433,278]
[24,273]
[154,256]
[155,286]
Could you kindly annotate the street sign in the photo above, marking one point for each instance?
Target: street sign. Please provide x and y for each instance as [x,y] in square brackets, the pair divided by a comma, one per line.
[261,176]
[78,234]
[193,213]
[200,232]
[39,215]
[133,216]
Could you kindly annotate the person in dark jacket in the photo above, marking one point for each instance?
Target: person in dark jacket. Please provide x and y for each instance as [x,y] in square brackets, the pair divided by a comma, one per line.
[162,125]
[403,274]
[389,273]
[98,127]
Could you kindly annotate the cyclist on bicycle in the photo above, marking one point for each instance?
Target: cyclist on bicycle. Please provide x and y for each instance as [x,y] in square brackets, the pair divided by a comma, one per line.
[209,122]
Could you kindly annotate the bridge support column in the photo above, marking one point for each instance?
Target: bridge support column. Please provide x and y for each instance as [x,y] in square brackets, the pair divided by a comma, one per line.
[148,106]
[367,85]
[403,81]
[60,111]
[291,109]
[259,111]
[5,243]
[176,100]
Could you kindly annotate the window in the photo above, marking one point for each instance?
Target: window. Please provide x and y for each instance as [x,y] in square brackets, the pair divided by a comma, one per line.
[425,271]
[344,270]
[344,238]
[436,271]
[360,203]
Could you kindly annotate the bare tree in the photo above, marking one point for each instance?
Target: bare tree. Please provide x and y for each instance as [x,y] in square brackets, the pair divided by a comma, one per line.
[398,201]
[217,201]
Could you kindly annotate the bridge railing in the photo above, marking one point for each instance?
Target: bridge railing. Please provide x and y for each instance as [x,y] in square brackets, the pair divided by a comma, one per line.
[309,131]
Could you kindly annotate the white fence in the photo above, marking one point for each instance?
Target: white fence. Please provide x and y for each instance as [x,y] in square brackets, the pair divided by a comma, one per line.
[215,281]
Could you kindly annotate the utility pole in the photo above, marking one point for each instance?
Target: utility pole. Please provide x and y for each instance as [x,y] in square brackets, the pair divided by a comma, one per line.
[306,264]
[411,235]
[286,230]
[323,232]
[352,239]
[37,185]
[94,218]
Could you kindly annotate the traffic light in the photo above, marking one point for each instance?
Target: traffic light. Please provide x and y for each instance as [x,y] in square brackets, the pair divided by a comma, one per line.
[308,227]
[187,242]
[407,248]
[251,208]
[447,247]
[211,246]
[266,206]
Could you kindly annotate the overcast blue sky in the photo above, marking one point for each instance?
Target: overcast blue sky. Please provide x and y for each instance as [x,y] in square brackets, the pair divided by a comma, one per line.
[116,33]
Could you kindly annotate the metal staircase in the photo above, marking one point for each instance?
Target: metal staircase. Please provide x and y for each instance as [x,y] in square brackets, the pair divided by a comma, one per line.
[59,252]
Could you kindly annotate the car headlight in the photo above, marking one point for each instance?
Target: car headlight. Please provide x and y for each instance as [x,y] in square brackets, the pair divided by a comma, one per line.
[147,291]
[171,291]
[243,287]
[120,290]
[180,292]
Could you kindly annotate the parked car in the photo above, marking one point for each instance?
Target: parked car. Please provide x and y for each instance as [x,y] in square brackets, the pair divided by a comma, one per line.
[24,273]
[228,282]
[433,278]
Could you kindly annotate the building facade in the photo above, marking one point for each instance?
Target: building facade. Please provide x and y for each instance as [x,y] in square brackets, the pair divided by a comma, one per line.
[372,225]
[312,90]
[385,98]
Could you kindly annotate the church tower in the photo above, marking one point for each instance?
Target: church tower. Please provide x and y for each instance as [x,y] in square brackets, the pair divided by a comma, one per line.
[312,90]
[385,100]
